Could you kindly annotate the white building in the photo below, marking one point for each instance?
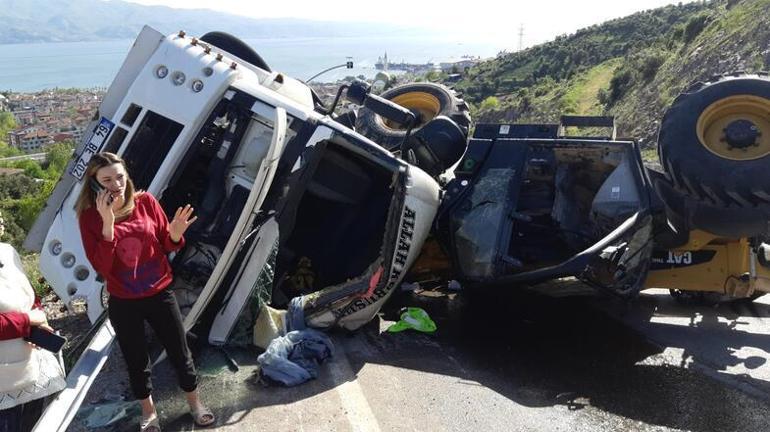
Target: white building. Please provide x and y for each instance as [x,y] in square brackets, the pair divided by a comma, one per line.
[31,140]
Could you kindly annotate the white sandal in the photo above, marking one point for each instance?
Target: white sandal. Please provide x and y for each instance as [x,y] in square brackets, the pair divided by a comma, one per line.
[151,424]
[203,416]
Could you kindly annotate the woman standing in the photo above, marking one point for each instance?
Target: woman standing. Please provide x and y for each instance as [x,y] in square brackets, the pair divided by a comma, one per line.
[126,236]
[27,374]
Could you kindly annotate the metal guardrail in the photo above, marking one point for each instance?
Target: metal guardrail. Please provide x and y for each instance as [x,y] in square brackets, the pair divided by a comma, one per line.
[33,156]
[60,412]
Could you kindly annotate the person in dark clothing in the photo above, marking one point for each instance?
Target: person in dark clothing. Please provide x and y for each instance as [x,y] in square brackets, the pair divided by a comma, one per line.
[126,236]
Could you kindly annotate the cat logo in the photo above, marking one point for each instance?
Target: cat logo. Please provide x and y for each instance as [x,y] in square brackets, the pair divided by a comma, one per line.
[666,259]
[679,258]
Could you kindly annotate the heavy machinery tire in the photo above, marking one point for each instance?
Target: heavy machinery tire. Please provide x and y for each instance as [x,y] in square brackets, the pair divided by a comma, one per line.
[236,47]
[427,100]
[714,144]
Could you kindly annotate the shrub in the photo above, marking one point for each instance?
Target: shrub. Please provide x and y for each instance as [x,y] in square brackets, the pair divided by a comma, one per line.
[695,26]
[649,62]
[490,103]
[621,81]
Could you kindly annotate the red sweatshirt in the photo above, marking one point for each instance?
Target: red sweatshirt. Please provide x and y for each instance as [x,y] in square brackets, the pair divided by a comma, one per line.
[15,325]
[134,263]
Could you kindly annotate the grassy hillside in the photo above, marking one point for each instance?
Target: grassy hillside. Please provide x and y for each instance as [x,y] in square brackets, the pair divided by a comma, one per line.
[631,67]
[734,38]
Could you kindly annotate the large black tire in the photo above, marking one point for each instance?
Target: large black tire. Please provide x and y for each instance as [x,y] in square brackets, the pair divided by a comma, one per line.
[428,100]
[236,47]
[714,144]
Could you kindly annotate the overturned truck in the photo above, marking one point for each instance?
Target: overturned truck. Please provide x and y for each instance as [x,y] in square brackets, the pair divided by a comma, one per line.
[329,209]
[275,184]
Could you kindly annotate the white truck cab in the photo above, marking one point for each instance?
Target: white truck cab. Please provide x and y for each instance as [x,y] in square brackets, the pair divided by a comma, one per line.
[290,202]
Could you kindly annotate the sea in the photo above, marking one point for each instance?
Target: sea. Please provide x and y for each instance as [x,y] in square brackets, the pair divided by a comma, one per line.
[38,66]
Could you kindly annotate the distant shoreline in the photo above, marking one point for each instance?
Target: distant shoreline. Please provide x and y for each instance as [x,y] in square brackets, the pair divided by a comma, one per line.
[27,68]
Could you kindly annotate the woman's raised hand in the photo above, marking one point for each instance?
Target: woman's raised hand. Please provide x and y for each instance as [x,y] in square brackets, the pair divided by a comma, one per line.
[182,220]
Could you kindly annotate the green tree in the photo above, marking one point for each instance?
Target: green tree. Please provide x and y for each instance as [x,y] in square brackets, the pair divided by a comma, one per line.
[649,62]
[620,82]
[434,76]
[7,123]
[21,199]
[695,26]
[490,103]
[6,150]
[56,159]
[29,207]
[31,168]
[16,186]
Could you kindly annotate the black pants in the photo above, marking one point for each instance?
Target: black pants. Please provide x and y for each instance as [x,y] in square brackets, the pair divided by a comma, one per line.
[161,311]
[21,418]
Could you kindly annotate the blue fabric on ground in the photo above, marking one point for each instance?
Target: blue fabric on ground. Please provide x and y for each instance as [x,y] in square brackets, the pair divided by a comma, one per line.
[293,359]
[295,315]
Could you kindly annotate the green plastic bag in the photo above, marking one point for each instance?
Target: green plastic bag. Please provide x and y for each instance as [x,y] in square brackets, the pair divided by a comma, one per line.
[416,319]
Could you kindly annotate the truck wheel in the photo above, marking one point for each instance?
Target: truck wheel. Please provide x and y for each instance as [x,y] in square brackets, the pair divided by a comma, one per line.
[427,100]
[236,47]
[714,144]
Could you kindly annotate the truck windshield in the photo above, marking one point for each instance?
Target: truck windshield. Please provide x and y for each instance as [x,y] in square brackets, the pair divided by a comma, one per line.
[149,146]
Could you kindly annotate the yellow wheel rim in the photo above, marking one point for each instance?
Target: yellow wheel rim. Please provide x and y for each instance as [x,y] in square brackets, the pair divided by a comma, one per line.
[424,104]
[736,127]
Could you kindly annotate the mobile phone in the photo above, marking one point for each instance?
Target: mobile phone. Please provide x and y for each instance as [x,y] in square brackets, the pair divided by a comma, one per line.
[97,187]
[45,339]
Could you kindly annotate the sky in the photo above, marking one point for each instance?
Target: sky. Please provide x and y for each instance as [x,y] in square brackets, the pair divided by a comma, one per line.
[542,20]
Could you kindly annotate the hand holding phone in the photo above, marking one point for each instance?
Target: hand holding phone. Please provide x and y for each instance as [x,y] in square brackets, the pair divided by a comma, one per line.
[97,187]
[46,339]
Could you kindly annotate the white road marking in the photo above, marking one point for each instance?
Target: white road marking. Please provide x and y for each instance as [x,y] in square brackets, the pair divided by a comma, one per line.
[357,409]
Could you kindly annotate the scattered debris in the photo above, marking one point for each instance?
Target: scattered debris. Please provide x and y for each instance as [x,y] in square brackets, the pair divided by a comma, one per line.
[416,319]
[110,413]
[454,285]
[231,363]
[293,359]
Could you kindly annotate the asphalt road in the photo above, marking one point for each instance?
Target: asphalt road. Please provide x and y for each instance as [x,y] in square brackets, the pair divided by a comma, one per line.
[727,341]
[514,362]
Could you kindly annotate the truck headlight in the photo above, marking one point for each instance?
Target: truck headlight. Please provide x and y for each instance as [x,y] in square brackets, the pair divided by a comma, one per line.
[81,273]
[55,247]
[161,72]
[178,78]
[68,260]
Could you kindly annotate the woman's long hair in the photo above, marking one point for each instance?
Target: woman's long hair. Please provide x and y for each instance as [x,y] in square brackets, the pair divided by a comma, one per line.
[87,197]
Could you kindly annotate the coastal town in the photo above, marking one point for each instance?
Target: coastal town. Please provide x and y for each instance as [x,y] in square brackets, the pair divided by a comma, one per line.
[57,115]
[450,67]
[47,117]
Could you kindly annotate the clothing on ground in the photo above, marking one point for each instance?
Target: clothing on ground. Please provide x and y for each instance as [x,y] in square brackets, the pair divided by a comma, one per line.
[293,359]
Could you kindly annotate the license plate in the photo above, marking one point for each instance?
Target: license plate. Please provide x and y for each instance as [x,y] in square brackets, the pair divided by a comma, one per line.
[98,137]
